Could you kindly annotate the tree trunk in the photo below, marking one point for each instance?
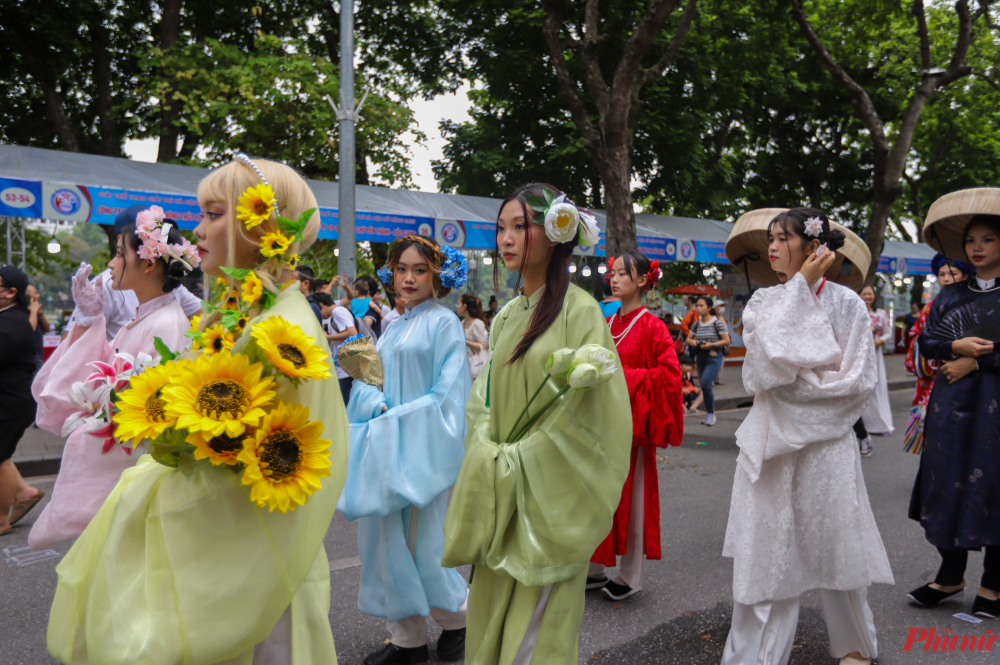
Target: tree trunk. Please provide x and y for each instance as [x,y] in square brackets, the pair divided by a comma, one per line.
[875,235]
[169,32]
[109,230]
[616,174]
[102,81]
[917,291]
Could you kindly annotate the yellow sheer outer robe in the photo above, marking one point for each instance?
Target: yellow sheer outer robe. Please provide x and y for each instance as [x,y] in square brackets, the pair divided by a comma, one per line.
[531,513]
[182,568]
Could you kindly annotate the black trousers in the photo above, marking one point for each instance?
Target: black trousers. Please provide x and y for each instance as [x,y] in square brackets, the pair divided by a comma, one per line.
[860,431]
[953,563]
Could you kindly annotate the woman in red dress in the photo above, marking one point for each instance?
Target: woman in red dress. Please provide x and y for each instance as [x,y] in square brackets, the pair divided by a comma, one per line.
[653,375]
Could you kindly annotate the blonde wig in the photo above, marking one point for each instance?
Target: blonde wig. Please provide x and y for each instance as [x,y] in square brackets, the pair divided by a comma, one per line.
[292,196]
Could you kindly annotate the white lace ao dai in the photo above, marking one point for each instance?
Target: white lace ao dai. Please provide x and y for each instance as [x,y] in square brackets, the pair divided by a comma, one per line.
[800,517]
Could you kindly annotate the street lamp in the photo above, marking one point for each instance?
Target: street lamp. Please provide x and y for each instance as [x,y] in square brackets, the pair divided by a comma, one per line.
[487,260]
[586,271]
[602,268]
[572,267]
[706,272]
[54,246]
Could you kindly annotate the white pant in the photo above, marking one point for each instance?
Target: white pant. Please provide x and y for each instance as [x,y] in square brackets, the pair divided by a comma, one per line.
[411,632]
[630,569]
[763,634]
[277,648]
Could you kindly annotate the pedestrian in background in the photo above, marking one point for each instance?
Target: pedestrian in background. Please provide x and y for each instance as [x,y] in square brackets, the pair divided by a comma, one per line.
[470,308]
[338,323]
[878,415]
[39,323]
[707,336]
[17,406]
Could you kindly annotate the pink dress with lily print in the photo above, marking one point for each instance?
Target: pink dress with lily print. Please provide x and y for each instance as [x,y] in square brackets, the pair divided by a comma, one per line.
[92,463]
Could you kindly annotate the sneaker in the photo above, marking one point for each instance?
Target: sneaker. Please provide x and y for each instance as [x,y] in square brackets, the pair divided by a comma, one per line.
[390,654]
[596,582]
[709,420]
[614,591]
[451,644]
[985,607]
[928,596]
[866,446]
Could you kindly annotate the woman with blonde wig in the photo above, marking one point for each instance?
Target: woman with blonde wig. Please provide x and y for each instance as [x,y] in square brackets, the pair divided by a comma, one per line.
[183,565]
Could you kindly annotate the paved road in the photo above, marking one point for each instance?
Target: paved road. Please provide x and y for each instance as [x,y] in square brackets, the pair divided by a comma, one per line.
[681,616]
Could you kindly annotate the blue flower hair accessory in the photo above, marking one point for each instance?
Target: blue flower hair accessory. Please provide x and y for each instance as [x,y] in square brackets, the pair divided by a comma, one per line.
[454,269]
[385,275]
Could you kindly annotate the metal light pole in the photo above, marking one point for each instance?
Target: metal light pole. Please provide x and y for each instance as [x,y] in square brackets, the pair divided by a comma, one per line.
[348,261]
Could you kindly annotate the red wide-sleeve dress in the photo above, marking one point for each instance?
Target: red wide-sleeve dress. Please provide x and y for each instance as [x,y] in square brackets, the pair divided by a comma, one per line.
[653,376]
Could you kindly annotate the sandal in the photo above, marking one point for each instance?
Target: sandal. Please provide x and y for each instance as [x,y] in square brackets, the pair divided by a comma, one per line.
[22,508]
[4,532]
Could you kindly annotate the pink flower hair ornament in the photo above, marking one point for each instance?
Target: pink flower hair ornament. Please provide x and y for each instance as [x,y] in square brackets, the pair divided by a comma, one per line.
[153,231]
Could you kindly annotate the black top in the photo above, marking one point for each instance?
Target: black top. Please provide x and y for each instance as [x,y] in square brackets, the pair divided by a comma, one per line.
[17,363]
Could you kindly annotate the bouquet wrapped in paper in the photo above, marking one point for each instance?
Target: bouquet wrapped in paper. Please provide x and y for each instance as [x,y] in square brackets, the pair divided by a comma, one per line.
[357,356]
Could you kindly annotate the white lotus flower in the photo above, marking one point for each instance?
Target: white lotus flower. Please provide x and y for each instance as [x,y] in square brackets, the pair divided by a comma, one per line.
[599,357]
[561,220]
[583,376]
[559,362]
[590,234]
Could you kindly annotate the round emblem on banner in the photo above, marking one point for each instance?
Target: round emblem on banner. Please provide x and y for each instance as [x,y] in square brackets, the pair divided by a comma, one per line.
[901,266]
[686,250]
[425,229]
[671,249]
[449,232]
[65,201]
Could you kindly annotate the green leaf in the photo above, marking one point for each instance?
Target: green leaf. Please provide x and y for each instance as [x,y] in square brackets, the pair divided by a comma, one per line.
[236,273]
[230,318]
[537,203]
[193,334]
[166,355]
[549,198]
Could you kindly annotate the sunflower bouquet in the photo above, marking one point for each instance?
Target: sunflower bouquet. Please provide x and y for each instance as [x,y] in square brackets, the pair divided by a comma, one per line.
[218,406]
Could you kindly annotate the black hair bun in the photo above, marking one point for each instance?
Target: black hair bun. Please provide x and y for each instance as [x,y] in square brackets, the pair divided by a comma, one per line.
[173,274]
[835,239]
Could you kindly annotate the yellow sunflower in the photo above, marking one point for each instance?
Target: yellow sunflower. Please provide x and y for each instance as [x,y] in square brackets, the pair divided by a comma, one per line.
[195,325]
[293,261]
[253,289]
[232,300]
[285,459]
[142,408]
[241,323]
[219,394]
[219,449]
[274,244]
[215,339]
[256,205]
[289,349]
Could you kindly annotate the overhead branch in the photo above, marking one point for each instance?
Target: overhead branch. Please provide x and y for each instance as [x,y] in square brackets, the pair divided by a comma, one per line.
[553,24]
[859,97]
[925,38]
[650,74]
[54,103]
[641,40]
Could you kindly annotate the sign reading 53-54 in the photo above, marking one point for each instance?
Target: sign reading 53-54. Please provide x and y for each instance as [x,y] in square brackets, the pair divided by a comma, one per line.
[20,198]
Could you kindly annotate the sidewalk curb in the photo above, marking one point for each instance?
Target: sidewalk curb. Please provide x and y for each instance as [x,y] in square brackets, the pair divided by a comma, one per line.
[743,401]
[38,465]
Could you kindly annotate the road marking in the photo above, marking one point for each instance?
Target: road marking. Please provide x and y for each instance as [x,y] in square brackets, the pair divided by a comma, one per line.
[347,562]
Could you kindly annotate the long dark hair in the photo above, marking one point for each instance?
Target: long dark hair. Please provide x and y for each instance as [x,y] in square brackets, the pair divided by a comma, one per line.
[473,306]
[172,272]
[795,220]
[557,275]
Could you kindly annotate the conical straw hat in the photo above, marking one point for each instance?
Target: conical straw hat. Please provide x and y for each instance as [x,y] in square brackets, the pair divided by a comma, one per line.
[944,228]
[746,249]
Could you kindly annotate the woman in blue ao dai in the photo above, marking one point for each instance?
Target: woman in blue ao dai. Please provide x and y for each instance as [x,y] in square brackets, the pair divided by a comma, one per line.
[407,445]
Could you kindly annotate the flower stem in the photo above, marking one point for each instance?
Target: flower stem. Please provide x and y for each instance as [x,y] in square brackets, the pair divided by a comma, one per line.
[531,421]
[525,410]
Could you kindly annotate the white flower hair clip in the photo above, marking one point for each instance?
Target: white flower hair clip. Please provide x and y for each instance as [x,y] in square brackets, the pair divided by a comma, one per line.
[814,227]
[821,250]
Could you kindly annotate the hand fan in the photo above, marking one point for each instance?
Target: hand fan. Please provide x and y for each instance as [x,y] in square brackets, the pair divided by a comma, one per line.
[975,319]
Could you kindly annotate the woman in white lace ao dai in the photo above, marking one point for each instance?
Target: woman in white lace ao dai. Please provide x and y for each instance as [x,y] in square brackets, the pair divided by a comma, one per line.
[800,517]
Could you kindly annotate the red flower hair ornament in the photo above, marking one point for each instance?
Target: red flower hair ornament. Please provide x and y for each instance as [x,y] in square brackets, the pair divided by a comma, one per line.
[651,277]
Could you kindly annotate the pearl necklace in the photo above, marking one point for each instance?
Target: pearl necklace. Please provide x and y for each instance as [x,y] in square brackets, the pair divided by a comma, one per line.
[619,338]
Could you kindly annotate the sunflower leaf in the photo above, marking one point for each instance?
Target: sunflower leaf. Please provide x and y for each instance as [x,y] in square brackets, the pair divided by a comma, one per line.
[235,273]
[229,319]
[166,355]
[537,203]
[193,334]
